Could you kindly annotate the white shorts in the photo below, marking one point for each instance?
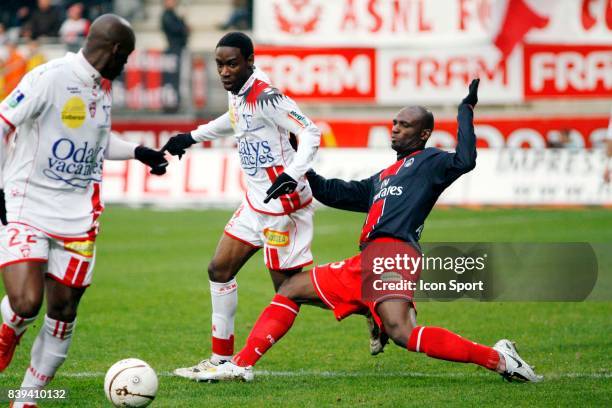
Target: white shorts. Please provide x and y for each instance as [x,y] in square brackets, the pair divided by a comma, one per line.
[286,239]
[70,261]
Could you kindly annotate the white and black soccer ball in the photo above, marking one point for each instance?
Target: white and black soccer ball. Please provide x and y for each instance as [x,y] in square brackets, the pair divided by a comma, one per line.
[130,383]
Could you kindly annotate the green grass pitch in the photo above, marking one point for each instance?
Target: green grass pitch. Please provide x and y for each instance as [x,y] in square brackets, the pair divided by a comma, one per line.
[150,300]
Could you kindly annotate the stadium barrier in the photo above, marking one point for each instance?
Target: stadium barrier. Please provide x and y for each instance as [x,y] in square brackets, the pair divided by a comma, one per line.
[212,177]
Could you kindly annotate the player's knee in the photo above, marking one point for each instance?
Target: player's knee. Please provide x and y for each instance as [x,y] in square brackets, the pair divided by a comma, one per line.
[398,331]
[219,273]
[65,313]
[27,304]
[289,290]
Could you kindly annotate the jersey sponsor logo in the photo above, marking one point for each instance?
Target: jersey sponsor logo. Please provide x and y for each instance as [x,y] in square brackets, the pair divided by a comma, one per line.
[276,238]
[83,248]
[75,165]
[389,191]
[254,155]
[73,89]
[16,98]
[300,119]
[73,113]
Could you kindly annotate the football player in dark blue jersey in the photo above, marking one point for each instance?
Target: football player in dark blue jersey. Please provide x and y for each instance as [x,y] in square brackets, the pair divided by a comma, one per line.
[397,200]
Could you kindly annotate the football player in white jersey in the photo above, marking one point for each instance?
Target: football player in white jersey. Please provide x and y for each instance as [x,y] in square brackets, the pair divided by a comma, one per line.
[55,134]
[277,211]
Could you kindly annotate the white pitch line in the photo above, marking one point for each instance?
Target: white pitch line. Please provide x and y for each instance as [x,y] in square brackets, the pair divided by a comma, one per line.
[352,374]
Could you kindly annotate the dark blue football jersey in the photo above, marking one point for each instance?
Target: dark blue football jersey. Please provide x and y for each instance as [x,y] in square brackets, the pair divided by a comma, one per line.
[399,198]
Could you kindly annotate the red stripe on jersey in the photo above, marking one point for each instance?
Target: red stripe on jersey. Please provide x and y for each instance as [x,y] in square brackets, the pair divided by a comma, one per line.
[392,170]
[376,211]
[96,204]
[256,89]
[300,124]
[274,262]
[271,174]
[395,167]
[80,277]
[71,269]
[290,202]
[287,207]
[8,122]
[295,199]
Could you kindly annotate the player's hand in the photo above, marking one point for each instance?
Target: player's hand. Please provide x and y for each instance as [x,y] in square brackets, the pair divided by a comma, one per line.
[284,184]
[177,144]
[156,160]
[472,97]
[2,208]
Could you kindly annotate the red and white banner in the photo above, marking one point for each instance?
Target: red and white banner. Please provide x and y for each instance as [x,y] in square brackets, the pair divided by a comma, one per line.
[431,22]
[372,22]
[321,74]
[441,75]
[207,177]
[568,71]
[523,132]
[518,132]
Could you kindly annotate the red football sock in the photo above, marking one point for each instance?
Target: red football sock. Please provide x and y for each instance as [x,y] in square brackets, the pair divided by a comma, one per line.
[274,322]
[446,345]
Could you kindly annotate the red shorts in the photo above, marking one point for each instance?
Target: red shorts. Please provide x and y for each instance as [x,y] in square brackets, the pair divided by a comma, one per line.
[339,285]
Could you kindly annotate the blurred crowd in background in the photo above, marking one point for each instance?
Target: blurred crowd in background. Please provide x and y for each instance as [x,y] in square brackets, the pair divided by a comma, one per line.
[25,25]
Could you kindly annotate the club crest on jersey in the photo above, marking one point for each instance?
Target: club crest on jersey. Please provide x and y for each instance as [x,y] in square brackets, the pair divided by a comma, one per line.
[16,98]
[92,108]
[409,162]
[25,250]
[276,238]
[73,113]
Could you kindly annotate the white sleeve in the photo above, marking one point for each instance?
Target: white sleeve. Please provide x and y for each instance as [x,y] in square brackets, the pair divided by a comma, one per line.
[119,149]
[288,116]
[26,101]
[5,132]
[217,128]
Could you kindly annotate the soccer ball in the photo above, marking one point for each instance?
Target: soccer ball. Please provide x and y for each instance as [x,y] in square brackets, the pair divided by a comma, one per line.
[130,383]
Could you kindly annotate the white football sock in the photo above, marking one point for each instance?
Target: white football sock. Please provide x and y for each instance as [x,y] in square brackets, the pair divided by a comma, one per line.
[48,352]
[224,297]
[12,319]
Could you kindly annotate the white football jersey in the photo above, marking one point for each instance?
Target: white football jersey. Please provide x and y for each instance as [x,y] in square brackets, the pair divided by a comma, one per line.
[261,119]
[61,115]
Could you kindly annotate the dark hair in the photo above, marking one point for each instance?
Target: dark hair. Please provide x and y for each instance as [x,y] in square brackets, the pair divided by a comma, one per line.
[237,40]
[428,120]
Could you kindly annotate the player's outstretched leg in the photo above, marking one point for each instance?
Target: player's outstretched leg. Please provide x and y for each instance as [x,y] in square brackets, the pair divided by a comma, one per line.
[275,320]
[229,257]
[443,344]
[24,284]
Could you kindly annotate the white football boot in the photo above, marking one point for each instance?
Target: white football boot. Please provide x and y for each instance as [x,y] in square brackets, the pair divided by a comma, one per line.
[224,372]
[192,372]
[516,368]
[378,338]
